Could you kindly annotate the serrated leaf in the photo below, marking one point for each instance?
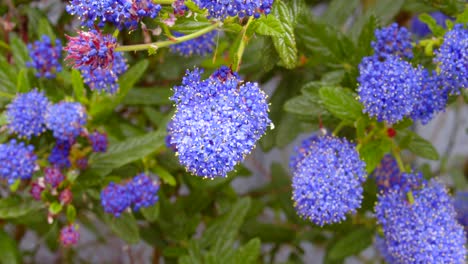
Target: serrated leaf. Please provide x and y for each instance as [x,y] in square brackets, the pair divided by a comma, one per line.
[341,102]
[9,253]
[269,26]
[351,244]
[20,52]
[125,226]
[286,44]
[13,207]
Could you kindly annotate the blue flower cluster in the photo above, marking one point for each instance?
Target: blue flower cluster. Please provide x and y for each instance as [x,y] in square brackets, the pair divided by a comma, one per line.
[59,156]
[25,114]
[381,247]
[221,9]
[17,161]
[461,207]
[45,57]
[69,236]
[217,121]
[53,176]
[302,151]
[140,192]
[202,45]
[105,79]
[121,13]
[421,29]
[452,59]
[66,120]
[98,141]
[327,182]
[393,41]
[424,230]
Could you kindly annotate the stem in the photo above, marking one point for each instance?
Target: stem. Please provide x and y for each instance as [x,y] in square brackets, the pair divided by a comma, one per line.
[167,43]
[240,50]
[339,127]
[410,197]
[163,2]
[397,156]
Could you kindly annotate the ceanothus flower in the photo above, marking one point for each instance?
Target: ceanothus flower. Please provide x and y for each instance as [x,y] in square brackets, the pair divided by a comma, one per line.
[381,246]
[25,114]
[45,57]
[53,176]
[392,40]
[121,13]
[461,207]
[66,120]
[143,191]
[421,29]
[17,161]
[327,182]
[69,236]
[59,156]
[452,59]
[115,199]
[202,45]
[179,7]
[221,9]
[217,121]
[91,49]
[302,151]
[105,79]
[98,141]
[388,89]
[389,177]
[424,230]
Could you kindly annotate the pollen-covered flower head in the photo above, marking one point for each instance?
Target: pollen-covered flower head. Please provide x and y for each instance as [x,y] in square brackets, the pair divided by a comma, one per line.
[452,59]
[45,57]
[424,230]
[105,79]
[217,121]
[69,236]
[17,161]
[302,151]
[91,49]
[327,181]
[143,191]
[389,89]
[221,9]
[115,199]
[392,40]
[25,114]
[202,45]
[121,13]
[66,120]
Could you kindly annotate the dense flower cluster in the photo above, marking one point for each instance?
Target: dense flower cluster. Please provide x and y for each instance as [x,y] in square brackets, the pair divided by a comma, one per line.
[202,45]
[25,114]
[140,192]
[394,41]
[105,79]
[217,121]
[327,181]
[69,236]
[17,161]
[381,247]
[221,9]
[461,207]
[424,230]
[91,49]
[98,141]
[59,156]
[421,29]
[452,58]
[45,57]
[66,120]
[121,13]
[53,176]
[302,151]
[179,7]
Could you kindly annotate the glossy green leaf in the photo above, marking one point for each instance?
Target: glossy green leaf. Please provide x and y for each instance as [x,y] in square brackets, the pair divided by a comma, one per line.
[269,26]
[422,147]
[341,102]
[286,43]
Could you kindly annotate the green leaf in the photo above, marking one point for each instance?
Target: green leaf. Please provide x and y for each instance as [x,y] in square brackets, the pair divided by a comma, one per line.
[339,11]
[13,207]
[125,226]
[150,213]
[9,253]
[23,85]
[78,86]
[8,76]
[422,147]
[125,152]
[71,213]
[55,208]
[432,24]
[286,43]
[248,253]
[341,102]
[298,8]
[373,152]
[20,52]
[269,26]
[44,28]
[148,96]
[365,38]
[351,244]
[164,175]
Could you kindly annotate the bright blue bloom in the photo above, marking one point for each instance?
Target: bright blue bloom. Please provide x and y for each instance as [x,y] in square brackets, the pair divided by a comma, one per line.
[221,9]
[66,120]
[59,156]
[452,59]
[25,114]
[424,231]
[115,199]
[327,182]
[392,40]
[143,191]
[202,45]
[421,29]
[461,207]
[17,161]
[167,140]
[389,89]
[53,176]
[388,176]
[381,246]
[302,151]
[46,58]
[217,121]
[104,79]
[121,13]
[98,141]
[69,236]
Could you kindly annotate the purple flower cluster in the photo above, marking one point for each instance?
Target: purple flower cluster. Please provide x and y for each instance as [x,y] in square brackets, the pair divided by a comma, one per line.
[393,41]
[202,45]
[424,230]
[69,236]
[221,9]
[59,156]
[45,57]
[98,141]
[140,192]
[452,59]
[217,121]
[66,120]
[179,7]
[105,79]
[17,161]
[53,176]
[121,13]
[327,182]
[25,114]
